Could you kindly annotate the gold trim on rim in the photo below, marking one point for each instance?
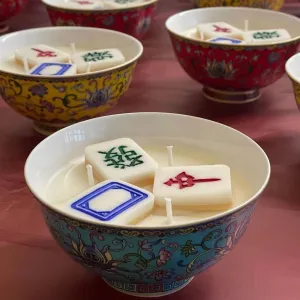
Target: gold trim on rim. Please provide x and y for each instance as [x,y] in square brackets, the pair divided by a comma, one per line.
[68,78]
[206,44]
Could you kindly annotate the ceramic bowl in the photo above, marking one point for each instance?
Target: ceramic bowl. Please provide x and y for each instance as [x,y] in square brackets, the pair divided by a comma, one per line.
[134,21]
[293,71]
[149,261]
[53,102]
[8,9]
[267,4]
[233,73]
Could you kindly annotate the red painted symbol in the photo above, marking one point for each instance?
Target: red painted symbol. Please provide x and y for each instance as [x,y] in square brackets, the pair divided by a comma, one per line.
[184,180]
[41,53]
[220,29]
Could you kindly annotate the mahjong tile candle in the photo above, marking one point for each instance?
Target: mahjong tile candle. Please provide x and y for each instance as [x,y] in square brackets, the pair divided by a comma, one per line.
[129,200]
[233,52]
[65,75]
[133,17]
[121,159]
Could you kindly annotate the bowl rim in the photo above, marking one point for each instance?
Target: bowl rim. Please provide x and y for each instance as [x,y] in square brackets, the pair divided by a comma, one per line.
[288,68]
[99,10]
[141,228]
[230,46]
[76,76]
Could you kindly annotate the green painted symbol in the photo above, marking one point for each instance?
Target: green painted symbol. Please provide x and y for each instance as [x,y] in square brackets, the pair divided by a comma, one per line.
[96,56]
[262,35]
[119,158]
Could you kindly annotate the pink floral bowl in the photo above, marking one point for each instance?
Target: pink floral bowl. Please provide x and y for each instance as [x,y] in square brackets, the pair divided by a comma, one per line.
[8,9]
[233,73]
[134,21]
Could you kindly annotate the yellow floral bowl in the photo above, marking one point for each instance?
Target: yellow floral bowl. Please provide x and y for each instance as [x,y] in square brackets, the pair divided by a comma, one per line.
[267,4]
[53,102]
[232,73]
[292,68]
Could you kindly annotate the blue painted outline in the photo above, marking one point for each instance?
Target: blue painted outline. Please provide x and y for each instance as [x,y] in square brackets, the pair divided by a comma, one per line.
[82,204]
[233,41]
[41,67]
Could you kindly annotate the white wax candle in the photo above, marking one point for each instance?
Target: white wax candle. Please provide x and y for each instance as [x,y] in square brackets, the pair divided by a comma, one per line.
[71,180]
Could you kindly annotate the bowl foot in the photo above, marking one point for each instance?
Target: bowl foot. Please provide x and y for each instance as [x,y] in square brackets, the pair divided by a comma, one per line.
[231,97]
[148,290]
[3,28]
[47,129]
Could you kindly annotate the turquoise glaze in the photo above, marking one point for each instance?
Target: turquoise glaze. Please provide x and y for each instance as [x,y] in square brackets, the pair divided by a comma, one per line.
[143,262]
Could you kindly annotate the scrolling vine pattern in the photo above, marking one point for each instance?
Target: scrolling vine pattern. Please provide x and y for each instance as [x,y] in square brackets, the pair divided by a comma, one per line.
[63,100]
[151,258]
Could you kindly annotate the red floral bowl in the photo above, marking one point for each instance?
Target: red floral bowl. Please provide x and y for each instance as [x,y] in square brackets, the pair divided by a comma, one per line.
[233,73]
[8,9]
[134,21]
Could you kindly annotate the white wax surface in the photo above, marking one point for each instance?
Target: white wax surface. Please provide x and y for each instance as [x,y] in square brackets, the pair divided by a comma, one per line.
[72,180]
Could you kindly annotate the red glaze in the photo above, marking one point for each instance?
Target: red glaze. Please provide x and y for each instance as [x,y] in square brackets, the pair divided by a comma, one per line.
[9,8]
[134,21]
[234,68]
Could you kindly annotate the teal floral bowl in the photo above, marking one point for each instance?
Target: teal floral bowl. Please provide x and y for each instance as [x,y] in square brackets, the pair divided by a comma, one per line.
[153,260]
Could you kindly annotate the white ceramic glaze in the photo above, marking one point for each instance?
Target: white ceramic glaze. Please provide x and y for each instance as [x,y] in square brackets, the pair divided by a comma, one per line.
[292,67]
[232,147]
[236,16]
[84,38]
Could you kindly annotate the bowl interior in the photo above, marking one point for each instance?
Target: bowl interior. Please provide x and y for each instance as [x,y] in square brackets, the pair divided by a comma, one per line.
[236,16]
[292,67]
[84,38]
[230,147]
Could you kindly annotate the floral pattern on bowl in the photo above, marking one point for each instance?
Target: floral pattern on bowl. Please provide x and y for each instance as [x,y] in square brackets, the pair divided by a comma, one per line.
[135,21]
[61,102]
[9,8]
[232,74]
[148,261]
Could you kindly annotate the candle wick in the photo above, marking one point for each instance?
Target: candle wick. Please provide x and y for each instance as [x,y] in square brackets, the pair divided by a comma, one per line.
[246,25]
[25,63]
[170,156]
[73,48]
[90,175]
[169,210]
[88,69]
